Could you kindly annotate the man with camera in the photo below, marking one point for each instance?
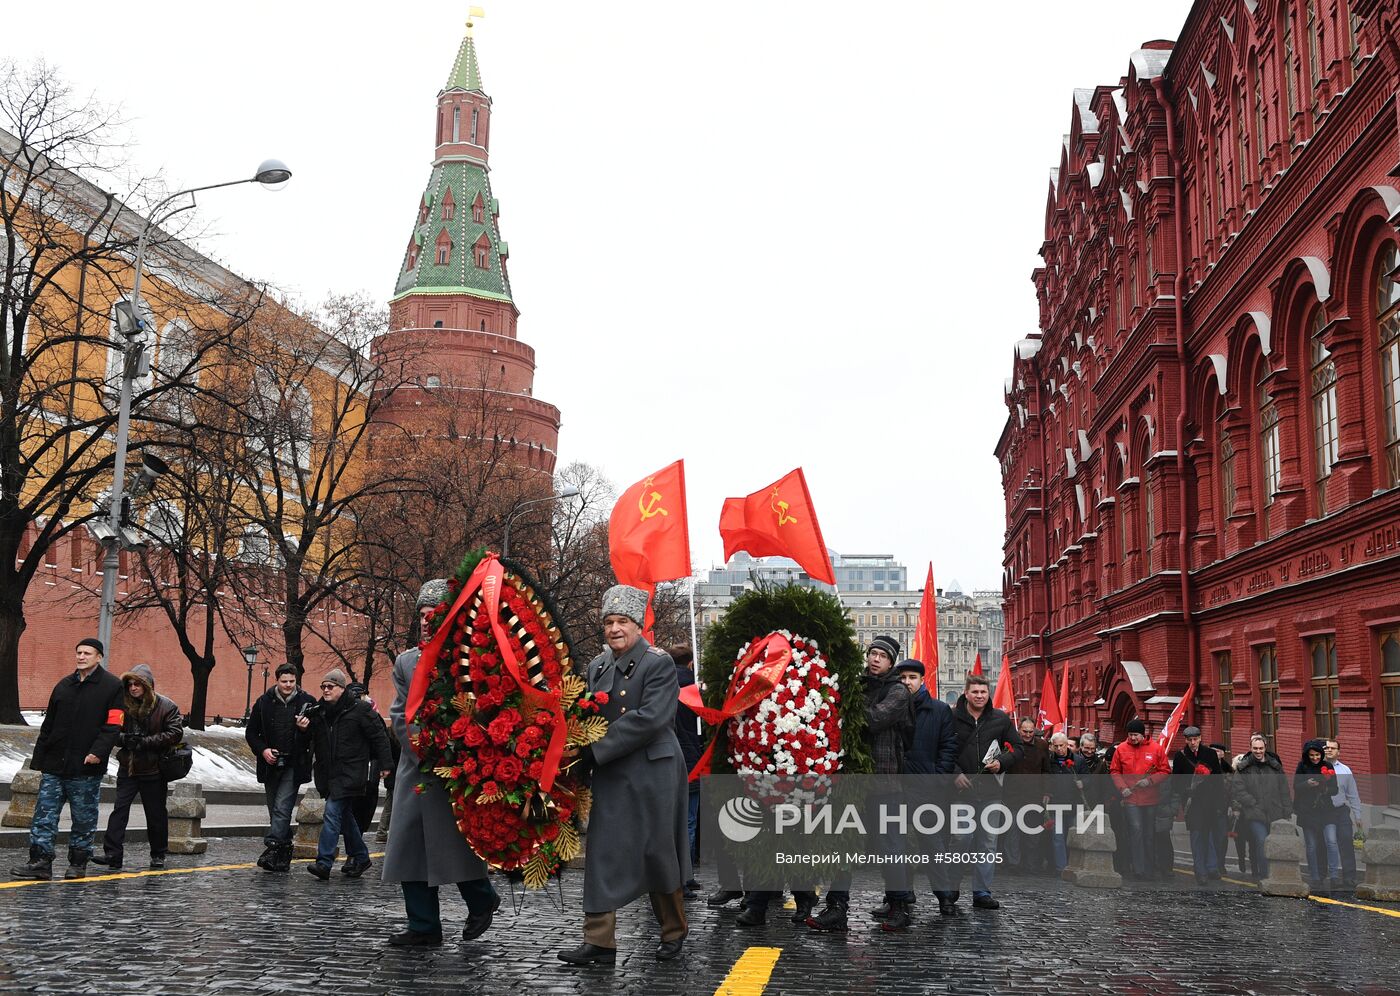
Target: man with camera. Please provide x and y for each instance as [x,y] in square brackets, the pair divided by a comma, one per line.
[349,742]
[284,760]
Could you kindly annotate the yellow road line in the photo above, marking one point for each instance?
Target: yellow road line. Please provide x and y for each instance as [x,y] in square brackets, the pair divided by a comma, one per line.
[119,876]
[1355,906]
[750,974]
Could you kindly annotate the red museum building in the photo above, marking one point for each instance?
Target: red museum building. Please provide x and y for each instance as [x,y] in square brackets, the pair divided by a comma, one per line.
[1201,459]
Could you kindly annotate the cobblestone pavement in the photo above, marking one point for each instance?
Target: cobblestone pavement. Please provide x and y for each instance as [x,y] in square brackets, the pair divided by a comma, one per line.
[236,929]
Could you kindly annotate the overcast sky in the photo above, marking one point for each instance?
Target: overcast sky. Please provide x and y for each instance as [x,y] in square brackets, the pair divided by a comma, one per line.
[756,237]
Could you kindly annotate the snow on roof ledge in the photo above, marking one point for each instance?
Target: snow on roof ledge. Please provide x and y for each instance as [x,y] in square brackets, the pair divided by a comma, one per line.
[1137,676]
[1027,348]
[1150,62]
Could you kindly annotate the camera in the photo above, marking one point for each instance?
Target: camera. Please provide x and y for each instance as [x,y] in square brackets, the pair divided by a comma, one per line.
[309,710]
[279,760]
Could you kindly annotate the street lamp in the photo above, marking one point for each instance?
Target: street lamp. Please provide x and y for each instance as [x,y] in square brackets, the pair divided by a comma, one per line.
[271,173]
[569,492]
[250,657]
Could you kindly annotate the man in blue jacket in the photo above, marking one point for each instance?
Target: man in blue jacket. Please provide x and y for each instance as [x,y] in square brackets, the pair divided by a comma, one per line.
[932,751]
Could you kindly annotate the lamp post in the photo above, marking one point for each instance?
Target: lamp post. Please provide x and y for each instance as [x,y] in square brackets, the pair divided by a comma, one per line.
[272,174]
[569,492]
[250,657]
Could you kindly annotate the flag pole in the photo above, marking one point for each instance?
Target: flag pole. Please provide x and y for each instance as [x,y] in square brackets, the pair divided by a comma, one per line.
[694,642]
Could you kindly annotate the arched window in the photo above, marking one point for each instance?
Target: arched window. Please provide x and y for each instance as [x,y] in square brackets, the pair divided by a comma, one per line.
[1270,455]
[456,124]
[1388,327]
[476,112]
[1227,475]
[1324,411]
[1314,28]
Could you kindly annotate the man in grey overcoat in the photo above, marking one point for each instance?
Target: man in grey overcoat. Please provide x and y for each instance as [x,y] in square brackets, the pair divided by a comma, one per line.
[425,847]
[638,838]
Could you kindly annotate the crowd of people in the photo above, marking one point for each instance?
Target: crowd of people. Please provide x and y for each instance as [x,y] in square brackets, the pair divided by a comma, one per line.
[643,826]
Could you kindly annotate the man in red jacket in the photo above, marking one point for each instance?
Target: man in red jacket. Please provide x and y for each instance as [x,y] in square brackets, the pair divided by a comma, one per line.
[1139,767]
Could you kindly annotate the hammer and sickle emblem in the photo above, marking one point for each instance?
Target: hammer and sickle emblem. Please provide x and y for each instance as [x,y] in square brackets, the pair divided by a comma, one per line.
[781,507]
[649,505]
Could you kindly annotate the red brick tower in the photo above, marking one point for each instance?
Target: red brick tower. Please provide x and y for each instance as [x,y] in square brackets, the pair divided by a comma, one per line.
[453,289]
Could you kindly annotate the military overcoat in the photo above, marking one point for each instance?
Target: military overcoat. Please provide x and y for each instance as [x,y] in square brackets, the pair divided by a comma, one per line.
[424,842]
[637,836]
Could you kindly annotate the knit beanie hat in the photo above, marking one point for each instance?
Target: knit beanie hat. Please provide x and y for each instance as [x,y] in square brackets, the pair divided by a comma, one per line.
[1136,726]
[888,644]
[335,676]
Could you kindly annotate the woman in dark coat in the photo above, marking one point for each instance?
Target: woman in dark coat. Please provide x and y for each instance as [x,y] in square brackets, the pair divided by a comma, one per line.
[1314,785]
[153,725]
[1260,791]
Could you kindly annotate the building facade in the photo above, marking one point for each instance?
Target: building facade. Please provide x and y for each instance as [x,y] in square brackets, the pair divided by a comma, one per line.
[452,308]
[1201,460]
[967,624]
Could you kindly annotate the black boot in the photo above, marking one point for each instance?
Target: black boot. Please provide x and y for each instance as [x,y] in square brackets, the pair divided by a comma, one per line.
[722,897]
[883,911]
[898,918]
[806,903]
[754,915]
[281,859]
[40,865]
[265,859]
[833,918]
[77,863]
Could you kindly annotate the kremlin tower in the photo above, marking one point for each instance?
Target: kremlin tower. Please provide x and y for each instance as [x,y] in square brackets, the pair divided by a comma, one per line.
[452,294]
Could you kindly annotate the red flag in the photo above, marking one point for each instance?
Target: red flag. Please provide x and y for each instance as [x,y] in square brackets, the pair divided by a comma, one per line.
[1064,702]
[925,646]
[648,535]
[977,664]
[1049,714]
[1174,721]
[777,521]
[1004,698]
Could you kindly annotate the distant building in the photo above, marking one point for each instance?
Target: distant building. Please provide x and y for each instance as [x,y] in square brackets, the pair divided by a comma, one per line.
[874,589]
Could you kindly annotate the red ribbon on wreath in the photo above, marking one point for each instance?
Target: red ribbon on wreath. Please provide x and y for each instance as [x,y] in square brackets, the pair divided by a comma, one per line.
[488,578]
[776,651]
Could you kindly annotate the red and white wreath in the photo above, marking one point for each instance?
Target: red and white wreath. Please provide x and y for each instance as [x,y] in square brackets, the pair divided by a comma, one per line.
[791,738]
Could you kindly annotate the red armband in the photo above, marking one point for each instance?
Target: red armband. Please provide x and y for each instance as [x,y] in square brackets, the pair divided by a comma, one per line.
[115,717]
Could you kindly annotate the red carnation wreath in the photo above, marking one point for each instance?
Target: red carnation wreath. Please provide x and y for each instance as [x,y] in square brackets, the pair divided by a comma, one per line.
[497,703]
[783,733]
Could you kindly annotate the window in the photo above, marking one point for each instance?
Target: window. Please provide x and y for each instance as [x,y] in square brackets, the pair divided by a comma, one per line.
[1260,111]
[481,259]
[1290,70]
[1314,28]
[1225,694]
[1227,474]
[1353,23]
[413,255]
[1271,459]
[449,208]
[1322,652]
[478,211]
[1242,134]
[456,124]
[475,118]
[1389,644]
[1149,526]
[444,254]
[1388,324]
[1266,656]
[1324,412]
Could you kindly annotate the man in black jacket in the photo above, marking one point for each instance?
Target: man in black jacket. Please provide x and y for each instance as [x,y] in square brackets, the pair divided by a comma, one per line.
[284,760]
[1198,786]
[80,728]
[932,751]
[349,737]
[692,746]
[987,744]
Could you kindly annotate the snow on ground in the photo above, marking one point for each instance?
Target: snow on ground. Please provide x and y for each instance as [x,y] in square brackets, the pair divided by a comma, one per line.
[222,760]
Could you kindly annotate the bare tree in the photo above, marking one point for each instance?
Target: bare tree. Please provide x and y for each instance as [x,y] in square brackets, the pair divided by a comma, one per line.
[66,246]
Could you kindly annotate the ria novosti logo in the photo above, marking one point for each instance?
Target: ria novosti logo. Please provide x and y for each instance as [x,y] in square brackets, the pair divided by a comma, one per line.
[740,820]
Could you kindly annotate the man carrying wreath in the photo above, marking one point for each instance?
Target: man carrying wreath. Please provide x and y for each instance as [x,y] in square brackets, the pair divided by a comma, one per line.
[638,840]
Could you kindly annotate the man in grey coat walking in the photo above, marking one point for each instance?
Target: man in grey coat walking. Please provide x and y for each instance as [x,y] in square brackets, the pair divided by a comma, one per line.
[425,847]
[638,841]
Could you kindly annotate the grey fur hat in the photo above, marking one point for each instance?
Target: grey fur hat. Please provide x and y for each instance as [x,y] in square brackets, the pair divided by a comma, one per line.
[623,600]
[432,593]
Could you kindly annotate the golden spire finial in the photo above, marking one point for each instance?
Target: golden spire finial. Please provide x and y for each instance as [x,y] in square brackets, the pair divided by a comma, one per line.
[473,12]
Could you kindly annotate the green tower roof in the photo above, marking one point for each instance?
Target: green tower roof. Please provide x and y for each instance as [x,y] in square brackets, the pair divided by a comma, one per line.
[466,74]
[461,233]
